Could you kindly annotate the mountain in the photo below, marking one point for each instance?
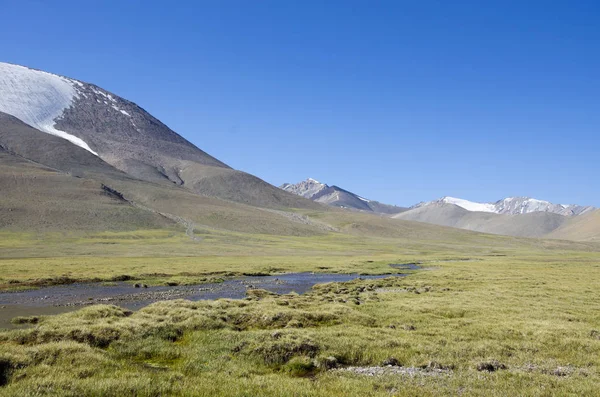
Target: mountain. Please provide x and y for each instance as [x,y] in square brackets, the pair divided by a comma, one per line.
[38,197]
[51,184]
[584,228]
[515,216]
[127,137]
[307,189]
[512,206]
[534,224]
[526,205]
[338,197]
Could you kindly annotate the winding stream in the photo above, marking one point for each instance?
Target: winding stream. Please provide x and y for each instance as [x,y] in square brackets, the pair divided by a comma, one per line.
[61,299]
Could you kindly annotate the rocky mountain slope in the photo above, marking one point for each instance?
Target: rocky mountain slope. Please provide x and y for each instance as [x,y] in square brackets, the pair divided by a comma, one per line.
[307,189]
[338,197]
[127,137]
[50,184]
[37,198]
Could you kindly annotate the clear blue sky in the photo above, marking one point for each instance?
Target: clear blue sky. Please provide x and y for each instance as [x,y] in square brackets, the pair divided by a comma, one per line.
[399,101]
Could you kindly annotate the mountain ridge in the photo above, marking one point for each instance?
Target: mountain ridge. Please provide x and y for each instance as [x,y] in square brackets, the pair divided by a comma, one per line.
[534,224]
[512,206]
[335,196]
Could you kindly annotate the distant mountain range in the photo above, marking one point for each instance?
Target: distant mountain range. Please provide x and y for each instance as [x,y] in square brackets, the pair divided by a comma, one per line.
[512,206]
[338,197]
[516,216]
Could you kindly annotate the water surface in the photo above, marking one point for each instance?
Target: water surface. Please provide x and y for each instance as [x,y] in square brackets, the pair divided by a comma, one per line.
[64,298]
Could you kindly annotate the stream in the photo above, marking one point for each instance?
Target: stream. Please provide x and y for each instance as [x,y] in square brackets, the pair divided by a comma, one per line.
[65,298]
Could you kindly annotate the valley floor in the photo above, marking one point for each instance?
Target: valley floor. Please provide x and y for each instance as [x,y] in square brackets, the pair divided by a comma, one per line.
[494,316]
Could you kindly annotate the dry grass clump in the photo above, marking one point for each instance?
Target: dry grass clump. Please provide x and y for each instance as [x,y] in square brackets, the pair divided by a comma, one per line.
[491,366]
[300,366]
[277,350]
[25,320]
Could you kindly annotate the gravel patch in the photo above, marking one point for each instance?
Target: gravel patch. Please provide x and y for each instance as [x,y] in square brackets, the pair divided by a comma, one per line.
[390,370]
[390,290]
[559,371]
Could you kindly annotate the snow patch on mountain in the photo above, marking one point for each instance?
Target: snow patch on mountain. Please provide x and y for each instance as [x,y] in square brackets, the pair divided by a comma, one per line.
[512,206]
[525,205]
[470,205]
[38,99]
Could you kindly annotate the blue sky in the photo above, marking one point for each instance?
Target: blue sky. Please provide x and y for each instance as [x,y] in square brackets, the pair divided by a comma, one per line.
[399,101]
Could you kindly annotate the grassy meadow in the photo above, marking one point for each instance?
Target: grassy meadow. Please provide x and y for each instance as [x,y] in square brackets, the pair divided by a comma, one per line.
[493,316]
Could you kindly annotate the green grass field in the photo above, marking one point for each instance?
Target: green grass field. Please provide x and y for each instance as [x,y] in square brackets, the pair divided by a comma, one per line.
[526,307]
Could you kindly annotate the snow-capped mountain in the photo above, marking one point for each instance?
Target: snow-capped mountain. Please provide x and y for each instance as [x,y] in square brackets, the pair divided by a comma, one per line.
[512,206]
[525,205]
[338,197]
[104,124]
[513,216]
[127,137]
[38,99]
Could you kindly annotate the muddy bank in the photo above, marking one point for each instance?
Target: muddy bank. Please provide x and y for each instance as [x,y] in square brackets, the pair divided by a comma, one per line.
[60,299]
